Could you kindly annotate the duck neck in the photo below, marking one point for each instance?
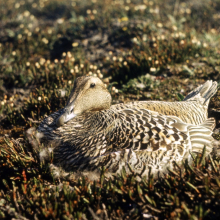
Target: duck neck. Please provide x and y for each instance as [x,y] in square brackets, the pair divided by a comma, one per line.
[95,121]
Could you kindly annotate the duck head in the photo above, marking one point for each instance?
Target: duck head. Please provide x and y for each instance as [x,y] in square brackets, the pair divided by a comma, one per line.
[88,94]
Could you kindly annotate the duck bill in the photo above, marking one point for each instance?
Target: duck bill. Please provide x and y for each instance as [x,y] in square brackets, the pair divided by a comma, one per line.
[67,114]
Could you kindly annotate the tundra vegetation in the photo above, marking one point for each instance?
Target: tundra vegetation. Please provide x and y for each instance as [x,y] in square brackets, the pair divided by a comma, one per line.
[143,50]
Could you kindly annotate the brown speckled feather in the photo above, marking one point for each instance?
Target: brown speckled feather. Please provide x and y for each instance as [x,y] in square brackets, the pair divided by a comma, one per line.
[193,110]
[89,133]
[116,138]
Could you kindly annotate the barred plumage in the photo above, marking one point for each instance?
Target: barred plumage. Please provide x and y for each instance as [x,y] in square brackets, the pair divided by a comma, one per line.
[193,109]
[89,133]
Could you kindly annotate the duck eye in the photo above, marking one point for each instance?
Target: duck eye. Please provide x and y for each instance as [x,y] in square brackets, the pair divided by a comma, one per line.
[92,85]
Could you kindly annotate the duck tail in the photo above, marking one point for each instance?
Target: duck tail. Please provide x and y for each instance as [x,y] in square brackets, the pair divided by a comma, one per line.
[209,124]
[201,135]
[203,93]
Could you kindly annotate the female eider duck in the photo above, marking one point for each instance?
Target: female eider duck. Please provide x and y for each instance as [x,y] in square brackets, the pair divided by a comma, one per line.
[89,133]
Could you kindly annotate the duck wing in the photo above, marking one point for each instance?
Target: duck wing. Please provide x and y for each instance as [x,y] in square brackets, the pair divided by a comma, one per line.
[140,139]
[193,109]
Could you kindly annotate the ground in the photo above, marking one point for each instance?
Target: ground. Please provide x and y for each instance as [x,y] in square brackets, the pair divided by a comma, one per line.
[143,50]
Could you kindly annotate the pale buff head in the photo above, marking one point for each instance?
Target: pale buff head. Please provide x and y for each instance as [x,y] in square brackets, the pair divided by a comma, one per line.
[88,94]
